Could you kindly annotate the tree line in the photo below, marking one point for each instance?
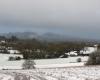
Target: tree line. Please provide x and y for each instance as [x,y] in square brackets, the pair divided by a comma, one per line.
[36,49]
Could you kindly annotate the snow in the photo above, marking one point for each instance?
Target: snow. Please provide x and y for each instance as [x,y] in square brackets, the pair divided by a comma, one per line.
[6,77]
[60,65]
[60,60]
[42,63]
[89,50]
[72,53]
[49,69]
[13,51]
[70,73]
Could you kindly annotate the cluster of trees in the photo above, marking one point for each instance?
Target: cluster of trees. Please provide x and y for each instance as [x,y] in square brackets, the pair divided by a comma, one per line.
[41,50]
[94,58]
[35,49]
[11,58]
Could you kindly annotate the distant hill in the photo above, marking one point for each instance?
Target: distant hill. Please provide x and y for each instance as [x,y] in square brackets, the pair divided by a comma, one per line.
[56,37]
[50,37]
[21,35]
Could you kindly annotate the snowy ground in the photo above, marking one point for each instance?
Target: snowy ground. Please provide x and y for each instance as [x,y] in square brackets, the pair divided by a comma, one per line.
[72,73]
[49,69]
[42,63]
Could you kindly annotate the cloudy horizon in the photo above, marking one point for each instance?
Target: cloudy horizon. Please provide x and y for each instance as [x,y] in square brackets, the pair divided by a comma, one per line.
[77,18]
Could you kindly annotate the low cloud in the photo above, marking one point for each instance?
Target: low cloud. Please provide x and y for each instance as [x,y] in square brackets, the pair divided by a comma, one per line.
[68,15]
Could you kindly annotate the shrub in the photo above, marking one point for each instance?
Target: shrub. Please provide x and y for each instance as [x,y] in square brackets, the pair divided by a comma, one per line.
[17,58]
[28,64]
[79,60]
[11,58]
[94,58]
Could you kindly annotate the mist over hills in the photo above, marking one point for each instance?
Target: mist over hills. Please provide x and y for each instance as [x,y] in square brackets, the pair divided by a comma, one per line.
[49,36]
[21,35]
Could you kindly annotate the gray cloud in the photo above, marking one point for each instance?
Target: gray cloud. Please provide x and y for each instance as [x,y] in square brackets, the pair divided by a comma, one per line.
[72,16]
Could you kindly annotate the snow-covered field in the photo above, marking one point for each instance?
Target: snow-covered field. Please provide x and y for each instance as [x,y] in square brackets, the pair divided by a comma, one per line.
[49,69]
[42,63]
[72,73]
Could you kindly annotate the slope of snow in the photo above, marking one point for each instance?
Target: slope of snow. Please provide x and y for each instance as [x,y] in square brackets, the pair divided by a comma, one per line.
[71,73]
[6,77]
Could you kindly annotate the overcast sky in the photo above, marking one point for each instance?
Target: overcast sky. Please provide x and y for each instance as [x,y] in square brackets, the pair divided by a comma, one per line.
[79,18]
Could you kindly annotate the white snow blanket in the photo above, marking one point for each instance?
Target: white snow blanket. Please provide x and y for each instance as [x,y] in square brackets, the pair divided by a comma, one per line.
[71,73]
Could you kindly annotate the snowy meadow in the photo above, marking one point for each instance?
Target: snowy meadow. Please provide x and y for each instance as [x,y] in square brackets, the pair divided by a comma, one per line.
[69,73]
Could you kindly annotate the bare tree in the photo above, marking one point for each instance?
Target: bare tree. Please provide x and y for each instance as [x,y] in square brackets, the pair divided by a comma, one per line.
[28,64]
